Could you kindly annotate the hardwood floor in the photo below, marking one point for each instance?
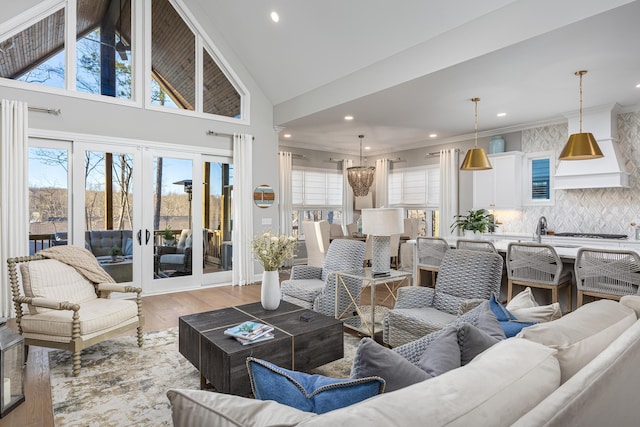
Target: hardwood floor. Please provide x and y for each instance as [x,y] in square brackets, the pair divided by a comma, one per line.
[160,311]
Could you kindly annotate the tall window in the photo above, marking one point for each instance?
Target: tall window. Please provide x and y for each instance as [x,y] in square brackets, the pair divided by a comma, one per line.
[173,67]
[316,195]
[418,191]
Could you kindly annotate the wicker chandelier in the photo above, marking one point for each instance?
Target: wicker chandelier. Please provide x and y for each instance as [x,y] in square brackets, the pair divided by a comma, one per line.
[361,177]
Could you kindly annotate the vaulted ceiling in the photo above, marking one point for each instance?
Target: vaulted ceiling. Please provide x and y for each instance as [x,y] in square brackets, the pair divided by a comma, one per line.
[407,69]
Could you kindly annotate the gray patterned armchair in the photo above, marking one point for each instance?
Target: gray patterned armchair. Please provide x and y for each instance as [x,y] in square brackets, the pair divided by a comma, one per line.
[315,288]
[465,279]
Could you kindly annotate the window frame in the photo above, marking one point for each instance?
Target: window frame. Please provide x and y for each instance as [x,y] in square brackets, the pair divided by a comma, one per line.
[528,178]
[140,59]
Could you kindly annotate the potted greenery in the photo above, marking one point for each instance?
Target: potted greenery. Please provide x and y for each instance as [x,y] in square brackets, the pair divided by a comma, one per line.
[114,252]
[168,238]
[475,222]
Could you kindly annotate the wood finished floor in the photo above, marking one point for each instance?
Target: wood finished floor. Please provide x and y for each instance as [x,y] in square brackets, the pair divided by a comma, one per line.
[160,311]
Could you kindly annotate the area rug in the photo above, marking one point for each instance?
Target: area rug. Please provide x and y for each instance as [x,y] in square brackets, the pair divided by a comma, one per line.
[121,384]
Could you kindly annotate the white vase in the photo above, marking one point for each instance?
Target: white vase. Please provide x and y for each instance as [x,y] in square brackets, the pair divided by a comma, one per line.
[270,292]
[471,234]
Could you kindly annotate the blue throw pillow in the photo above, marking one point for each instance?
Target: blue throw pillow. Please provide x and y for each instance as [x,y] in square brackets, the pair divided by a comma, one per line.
[510,325]
[501,312]
[513,327]
[310,393]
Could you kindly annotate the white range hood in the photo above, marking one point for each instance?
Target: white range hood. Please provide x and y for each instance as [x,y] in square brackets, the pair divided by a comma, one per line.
[606,172]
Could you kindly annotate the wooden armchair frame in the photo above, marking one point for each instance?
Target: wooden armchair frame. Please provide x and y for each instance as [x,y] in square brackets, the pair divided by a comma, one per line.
[76,342]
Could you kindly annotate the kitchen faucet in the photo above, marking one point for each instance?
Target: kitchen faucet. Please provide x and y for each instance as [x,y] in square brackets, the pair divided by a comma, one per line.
[541,228]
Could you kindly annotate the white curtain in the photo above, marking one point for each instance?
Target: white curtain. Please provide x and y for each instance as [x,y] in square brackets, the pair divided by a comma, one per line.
[14,191]
[242,206]
[347,196]
[382,183]
[448,189]
[286,204]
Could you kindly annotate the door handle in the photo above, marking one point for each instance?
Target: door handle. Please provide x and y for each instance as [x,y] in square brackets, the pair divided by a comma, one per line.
[148,233]
[139,237]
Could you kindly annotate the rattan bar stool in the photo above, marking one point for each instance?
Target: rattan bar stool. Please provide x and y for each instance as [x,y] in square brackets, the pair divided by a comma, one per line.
[476,245]
[609,274]
[537,266]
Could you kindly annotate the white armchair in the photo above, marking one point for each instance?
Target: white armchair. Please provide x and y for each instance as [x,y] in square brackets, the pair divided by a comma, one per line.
[67,311]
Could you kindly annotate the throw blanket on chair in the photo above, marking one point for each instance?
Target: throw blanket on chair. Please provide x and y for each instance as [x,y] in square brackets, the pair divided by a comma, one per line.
[80,259]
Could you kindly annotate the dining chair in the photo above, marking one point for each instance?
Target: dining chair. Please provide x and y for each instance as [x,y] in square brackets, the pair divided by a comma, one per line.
[411,228]
[537,265]
[394,249]
[335,230]
[428,256]
[316,240]
[609,274]
[476,245]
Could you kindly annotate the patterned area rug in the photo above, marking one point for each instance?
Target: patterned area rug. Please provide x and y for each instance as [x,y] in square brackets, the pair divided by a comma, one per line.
[121,384]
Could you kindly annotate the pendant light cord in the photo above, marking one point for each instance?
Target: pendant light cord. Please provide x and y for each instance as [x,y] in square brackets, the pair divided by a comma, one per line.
[360,136]
[580,73]
[475,101]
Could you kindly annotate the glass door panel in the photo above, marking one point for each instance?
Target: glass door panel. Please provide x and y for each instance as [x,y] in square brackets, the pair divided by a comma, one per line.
[217,216]
[108,211]
[172,217]
[48,194]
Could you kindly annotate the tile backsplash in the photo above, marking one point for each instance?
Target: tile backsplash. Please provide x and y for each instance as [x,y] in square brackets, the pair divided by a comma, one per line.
[593,210]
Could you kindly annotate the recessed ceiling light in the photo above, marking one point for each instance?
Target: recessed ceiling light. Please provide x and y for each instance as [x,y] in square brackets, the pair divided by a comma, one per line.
[287,135]
[433,135]
[638,85]
[367,148]
[501,114]
[275,17]
[348,118]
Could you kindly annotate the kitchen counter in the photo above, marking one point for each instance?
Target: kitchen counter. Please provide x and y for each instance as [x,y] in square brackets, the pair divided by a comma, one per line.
[559,241]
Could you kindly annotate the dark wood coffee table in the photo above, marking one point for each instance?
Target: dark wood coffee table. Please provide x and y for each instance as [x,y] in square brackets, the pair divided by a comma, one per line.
[221,360]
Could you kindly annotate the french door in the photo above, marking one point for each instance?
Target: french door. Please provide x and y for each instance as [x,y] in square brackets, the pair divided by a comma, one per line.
[140,211]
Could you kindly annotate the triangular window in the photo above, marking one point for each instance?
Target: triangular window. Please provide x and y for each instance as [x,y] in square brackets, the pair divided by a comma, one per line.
[185,72]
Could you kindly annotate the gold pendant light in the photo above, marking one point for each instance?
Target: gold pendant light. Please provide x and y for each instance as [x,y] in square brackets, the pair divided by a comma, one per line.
[360,177]
[476,159]
[583,145]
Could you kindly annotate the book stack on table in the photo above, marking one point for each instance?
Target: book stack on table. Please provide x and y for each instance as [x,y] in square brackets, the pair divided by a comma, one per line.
[250,332]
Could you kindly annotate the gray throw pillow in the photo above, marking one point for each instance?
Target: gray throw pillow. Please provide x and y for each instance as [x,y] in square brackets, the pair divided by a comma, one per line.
[442,354]
[373,359]
[472,342]
[488,322]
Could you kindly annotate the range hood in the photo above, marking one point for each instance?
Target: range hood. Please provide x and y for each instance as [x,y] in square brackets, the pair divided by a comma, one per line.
[606,172]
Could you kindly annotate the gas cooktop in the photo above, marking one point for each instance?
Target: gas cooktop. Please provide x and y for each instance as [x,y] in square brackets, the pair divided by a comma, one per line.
[592,235]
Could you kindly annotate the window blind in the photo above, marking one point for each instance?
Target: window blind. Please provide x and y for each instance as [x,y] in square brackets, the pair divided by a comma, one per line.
[315,187]
[415,187]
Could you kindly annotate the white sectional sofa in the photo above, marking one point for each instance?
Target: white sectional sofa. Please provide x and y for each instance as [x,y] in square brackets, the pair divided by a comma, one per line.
[580,370]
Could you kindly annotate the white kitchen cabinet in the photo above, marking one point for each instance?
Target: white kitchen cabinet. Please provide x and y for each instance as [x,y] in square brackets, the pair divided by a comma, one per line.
[500,187]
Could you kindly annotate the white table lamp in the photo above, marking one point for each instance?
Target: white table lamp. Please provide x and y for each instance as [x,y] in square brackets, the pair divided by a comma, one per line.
[381,223]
